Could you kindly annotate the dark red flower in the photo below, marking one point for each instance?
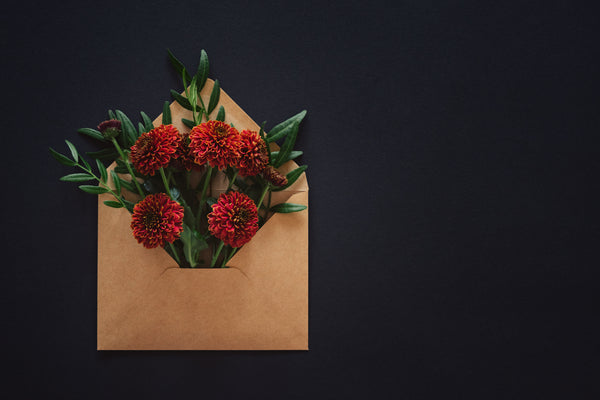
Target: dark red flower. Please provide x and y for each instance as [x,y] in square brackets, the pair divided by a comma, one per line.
[234,219]
[184,157]
[110,128]
[274,176]
[156,220]
[215,142]
[253,154]
[155,149]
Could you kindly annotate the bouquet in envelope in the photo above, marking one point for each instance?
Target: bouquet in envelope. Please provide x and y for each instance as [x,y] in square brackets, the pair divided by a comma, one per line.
[195,189]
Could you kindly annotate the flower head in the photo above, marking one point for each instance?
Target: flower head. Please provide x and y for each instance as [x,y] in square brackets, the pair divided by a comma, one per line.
[215,142]
[110,129]
[271,174]
[234,219]
[156,220]
[154,150]
[184,157]
[253,154]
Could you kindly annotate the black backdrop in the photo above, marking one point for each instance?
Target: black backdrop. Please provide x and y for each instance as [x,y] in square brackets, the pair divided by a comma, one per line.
[453,159]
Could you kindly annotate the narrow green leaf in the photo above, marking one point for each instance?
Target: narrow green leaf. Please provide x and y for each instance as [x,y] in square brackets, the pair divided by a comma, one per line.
[193,243]
[282,129]
[292,177]
[77,177]
[221,114]
[85,163]
[104,154]
[148,126]
[287,208]
[141,128]
[93,189]
[102,170]
[127,185]
[183,102]
[74,153]
[214,97]
[188,123]
[128,129]
[64,160]
[116,181]
[113,204]
[293,155]
[193,92]
[166,114]
[202,72]
[92,133]
[288,145]
[178,65]
[111,114]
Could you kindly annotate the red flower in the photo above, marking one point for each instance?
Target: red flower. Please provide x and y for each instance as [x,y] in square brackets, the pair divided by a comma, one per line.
[234,219]
[156,220]
[253,154]
[155,149]
[184,157]
[215,142]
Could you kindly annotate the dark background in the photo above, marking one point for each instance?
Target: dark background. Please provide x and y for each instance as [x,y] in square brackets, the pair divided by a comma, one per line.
[453,170]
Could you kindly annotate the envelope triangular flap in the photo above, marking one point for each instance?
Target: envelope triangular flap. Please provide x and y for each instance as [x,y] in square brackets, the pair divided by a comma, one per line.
[145,302]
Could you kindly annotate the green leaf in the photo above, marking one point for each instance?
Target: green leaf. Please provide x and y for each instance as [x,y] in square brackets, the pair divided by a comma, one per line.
[85,163]
[292,177]
[202,72]
[104,154]
[148,125]
[221,114]
[214,97]
[128,205]
[282,129]
[93,189]
[92,133]
[183,102]
[293,154]
[193,93]
[77,177]
[193,243]
[178,65]
[287,208]
[113,204]
[166,114]
[141,128]
[127,185]
[111,115]
[188,123]
[64,160]
[74,153]
[129,131]
[288,145]
[116,181]
[102,170]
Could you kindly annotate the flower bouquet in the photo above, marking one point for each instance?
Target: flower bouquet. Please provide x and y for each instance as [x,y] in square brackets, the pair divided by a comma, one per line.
[163,174]
[204,243]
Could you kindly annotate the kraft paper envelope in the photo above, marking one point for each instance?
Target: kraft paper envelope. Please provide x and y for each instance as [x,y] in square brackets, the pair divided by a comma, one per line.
[146,302]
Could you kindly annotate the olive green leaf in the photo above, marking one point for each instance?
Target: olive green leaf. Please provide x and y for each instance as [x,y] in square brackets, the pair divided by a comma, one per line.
[202,72]
[74,153]
[221,114]
[282,129]
[288,208]
[214,97]
[93,189]
[148,126]
[102,170]
[113,204]
[178,65]
[166,114]
[64,160]
[92,133]
[116,181]
[77,177]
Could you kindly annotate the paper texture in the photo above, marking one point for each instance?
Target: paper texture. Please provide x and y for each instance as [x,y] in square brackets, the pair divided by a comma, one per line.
[146,302]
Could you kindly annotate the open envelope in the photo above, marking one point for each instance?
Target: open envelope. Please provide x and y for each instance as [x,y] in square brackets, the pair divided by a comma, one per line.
[146,302]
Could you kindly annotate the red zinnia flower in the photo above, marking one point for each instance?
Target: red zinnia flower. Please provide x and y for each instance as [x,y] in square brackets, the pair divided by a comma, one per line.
[156,220]
[234,219]
[253,154]
[155,149]
[184,157]
[215,142]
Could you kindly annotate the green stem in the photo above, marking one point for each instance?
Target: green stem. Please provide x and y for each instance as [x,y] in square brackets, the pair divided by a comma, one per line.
[133,178]
[175,254]
[262,196]
[233,251]
[166,182]
[204,187]
[231,182]
[216,255]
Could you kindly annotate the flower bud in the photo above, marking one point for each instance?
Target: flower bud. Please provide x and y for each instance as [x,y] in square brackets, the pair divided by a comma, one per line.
[275,177]
[110,129]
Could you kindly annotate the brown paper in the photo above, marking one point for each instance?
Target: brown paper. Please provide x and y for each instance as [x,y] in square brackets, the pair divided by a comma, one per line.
[146,302]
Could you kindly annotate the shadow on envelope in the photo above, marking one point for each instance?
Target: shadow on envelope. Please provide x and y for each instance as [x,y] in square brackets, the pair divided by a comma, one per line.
[146,302]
